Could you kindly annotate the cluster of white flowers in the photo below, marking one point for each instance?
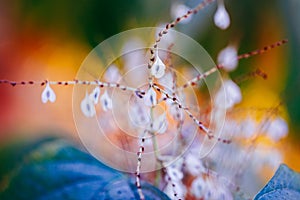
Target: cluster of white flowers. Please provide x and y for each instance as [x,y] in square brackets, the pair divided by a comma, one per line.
[203,186]
[226,160]
[91,100]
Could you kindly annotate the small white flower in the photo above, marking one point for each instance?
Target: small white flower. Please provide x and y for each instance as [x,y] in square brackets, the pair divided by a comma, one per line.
[221,17]
[198,187]
[106,101]
[112,74]
[228,58]
[95,95]
[177,163]
[150,97]
[158,68]
[48,94]
[230,94]
[87,106]
[277,129]
[194,165]
[160,124]
[174,173]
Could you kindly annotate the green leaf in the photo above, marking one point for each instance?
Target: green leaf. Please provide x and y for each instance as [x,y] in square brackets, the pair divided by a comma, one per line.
[55,169]
[285,184]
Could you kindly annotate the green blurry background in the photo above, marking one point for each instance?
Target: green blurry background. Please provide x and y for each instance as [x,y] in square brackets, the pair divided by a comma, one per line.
[48,39]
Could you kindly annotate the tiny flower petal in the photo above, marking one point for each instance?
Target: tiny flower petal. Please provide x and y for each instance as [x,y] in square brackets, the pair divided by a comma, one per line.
[277,129]
[87,106]
[48,94]
[150,97]
[198,187]
[174,173]
[106,101]
[95,95]
[228,58]
[221,17]
[230,93]
[194,165]
[158,68]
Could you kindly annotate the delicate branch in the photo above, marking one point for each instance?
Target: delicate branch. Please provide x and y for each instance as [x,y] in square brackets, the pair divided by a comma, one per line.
[175,100]
[262,50]
[163,32]
[199,77]
[198,123]
[138,169]
[253,74]
[76,82]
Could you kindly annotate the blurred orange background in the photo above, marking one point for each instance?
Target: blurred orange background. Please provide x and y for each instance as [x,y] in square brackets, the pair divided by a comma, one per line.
[46,39]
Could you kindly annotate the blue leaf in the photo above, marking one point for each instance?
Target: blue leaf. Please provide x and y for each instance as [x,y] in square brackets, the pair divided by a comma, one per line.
[54,169]
[285,184]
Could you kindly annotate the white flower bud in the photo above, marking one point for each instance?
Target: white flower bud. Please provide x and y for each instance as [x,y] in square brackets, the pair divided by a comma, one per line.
[150,97]
[48,94]
[228,58]
[87,106]
[194,165]
[106,101]
[95,95]
[221,17]
[174,173]
[198,187]
[158,68]
[277,129]
[230,93]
